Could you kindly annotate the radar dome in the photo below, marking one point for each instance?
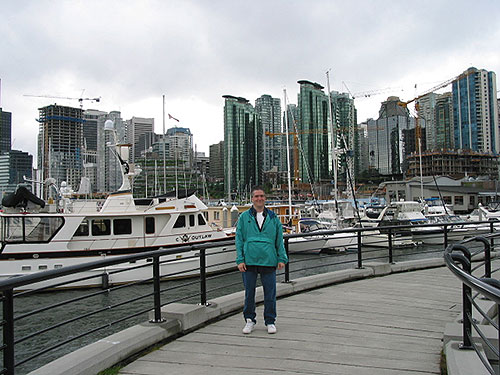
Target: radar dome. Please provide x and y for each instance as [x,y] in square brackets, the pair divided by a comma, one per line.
[109,125]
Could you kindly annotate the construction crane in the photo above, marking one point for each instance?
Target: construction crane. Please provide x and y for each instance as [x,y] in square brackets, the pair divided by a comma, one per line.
[80,100]
[418,128]
[296,147]
[369,93]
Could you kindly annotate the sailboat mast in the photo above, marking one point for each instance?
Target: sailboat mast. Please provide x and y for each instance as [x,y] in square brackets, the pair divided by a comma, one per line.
[334,143]
[288,160]
[164,157]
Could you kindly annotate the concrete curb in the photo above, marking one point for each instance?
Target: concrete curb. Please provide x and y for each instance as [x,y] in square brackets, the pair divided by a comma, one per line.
[183,318]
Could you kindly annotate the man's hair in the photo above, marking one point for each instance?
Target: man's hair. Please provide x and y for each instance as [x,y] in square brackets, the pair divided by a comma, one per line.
[257,188]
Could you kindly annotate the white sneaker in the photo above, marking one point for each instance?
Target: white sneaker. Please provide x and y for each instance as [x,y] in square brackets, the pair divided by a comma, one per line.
[271,328]
[248,326]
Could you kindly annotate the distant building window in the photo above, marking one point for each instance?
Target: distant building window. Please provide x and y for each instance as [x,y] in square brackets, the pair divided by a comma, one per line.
[101,227]
[122,226]
[150,225]
[459,200]
[180,222]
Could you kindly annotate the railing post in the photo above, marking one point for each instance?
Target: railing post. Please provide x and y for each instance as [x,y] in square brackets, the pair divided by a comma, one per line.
[445,236]
[287,265]
[360,257]
[156,290]
[203,277]
[8,331]
[492,240]
[389,238]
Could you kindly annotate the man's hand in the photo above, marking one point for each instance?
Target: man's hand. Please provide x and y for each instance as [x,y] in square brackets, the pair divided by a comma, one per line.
[242,267]
[281,265]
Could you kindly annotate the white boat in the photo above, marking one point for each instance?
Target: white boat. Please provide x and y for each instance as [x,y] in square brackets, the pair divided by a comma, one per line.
[36,237]
[309,244]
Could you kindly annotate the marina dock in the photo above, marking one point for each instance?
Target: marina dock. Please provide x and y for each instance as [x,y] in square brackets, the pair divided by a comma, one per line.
[392,324]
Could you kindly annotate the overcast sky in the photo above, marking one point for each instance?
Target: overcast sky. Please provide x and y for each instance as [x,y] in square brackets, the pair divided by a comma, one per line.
[130,53]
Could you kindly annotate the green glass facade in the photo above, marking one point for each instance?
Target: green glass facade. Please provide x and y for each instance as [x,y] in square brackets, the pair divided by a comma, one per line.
[5,130]
[243,155]
[313,133]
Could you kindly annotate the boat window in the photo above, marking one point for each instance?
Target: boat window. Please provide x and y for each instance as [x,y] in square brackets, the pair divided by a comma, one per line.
[122,226]
[216,215]
[101,227]
[459,200]
[83,229]
[41,228]
[191,221]
[180,222]
[25,268]
[57,266]
[13,229]
[42,267]
[150,225]
[205,214]
[201,220]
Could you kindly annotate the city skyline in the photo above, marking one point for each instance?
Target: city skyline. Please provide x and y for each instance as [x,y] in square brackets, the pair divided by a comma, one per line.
[194,52]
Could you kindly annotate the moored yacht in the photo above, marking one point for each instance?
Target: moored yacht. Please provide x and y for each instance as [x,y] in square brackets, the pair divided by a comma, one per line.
[36,237]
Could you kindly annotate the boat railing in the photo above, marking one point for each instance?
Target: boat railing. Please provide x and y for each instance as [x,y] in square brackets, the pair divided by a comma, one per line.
[471,262]
[51,313]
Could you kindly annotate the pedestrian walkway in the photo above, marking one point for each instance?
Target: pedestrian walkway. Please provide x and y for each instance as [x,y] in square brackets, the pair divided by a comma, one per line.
[383,325]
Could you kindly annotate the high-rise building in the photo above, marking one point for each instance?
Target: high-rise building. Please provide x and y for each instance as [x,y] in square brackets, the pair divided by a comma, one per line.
[5,130]
[313,133]
[136,127]
[391,137]
[14,166]
[426,105]
[216,165]
[242,146]
[109,176]
[345,122]
[178,146]
[90,165]
[269,111]
[475,111]
[362,149]
[443,120]
[61,143]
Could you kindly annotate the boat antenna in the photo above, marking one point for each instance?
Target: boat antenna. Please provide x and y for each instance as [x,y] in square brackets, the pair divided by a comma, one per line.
[351,184]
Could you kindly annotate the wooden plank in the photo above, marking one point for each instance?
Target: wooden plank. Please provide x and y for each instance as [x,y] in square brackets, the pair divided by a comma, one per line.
[385,325]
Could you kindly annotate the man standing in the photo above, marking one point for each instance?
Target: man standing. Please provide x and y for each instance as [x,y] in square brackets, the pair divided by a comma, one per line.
[259,250]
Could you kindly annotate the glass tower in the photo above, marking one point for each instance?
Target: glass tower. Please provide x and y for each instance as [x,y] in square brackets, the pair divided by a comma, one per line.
[268,109]
[5,130]
[243,158]
[475,113]
[313,133]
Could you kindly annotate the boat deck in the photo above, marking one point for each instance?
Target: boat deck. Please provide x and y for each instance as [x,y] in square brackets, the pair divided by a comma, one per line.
[384,325]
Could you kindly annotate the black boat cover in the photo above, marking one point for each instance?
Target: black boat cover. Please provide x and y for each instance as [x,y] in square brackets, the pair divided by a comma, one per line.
[21,198]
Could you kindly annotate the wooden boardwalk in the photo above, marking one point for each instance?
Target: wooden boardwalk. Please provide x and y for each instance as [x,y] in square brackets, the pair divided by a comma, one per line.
[384,325]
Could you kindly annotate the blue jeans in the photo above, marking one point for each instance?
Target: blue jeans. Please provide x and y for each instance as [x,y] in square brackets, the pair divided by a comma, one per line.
[268,281]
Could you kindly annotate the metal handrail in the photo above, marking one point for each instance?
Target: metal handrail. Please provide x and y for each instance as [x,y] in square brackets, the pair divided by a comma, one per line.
[7,286]
[459,253]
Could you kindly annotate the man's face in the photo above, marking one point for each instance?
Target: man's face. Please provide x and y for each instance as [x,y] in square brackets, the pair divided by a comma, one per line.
[258,199]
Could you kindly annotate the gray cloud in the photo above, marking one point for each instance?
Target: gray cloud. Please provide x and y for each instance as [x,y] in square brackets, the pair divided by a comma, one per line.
[131,52]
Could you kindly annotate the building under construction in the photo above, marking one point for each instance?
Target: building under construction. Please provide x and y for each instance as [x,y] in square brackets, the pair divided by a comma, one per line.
[60,143]
[454,163]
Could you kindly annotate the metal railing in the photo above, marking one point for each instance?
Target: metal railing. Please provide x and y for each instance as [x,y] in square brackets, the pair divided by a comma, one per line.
[480,297]
[48,314]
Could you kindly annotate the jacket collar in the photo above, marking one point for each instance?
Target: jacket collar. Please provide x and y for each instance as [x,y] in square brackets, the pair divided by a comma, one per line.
[266,212]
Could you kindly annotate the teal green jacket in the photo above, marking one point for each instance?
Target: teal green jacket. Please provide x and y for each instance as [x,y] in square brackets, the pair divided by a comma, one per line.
[256,247]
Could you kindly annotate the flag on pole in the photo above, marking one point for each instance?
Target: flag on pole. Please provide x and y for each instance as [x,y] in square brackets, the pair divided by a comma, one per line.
[172,117]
